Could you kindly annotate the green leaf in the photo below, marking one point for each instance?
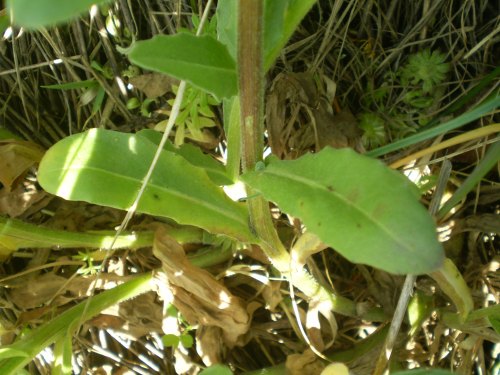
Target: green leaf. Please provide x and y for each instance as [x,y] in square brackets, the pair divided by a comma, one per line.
[88,83]
[215,170]
[7,352]
[420,308]
[63,351]
[424,371]
[495,322]
[107,168]
[226,25]
[4,23]
[482,168]
[187,341]
[202,61]
[451,281]
[281,18]
[170,340]
[364,210]
[217,370]
[36,14]
[469,116]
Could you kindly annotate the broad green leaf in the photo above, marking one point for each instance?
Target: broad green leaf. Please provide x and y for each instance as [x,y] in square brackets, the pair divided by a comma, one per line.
[281,18]
[36,14]
[107,168]
[215,170]
[202,61]
[364,210]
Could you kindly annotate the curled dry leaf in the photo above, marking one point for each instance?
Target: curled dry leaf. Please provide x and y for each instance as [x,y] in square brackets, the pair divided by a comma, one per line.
[198,296]
[209,346]
[22,200]
[153,85]
[31,292]
[305,363]
[16,157]
[299,117]
[486,223]
[315,330]
[133,318]
[272,295]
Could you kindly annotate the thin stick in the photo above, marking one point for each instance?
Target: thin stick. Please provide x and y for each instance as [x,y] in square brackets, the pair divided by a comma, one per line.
[170,124]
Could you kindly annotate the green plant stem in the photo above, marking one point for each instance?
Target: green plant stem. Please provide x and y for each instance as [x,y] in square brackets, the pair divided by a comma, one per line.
[251,78]
[16,234]
[32,343]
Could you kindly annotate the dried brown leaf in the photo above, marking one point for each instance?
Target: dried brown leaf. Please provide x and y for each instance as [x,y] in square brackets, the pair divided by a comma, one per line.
[19,201]
[16,157]
[305,363]
[209,345]
[199,297]
[31,292]
[153,85]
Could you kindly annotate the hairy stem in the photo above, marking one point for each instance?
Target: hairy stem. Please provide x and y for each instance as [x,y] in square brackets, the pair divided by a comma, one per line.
[251,79]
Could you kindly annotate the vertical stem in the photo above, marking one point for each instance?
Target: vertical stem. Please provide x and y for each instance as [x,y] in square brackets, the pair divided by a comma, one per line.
[250,79]
[251,76]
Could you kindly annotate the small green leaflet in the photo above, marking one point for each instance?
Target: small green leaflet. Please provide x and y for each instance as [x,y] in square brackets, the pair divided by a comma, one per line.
[202,61]
[364,210]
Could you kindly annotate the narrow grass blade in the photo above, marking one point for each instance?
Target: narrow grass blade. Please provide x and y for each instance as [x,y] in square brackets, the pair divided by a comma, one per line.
[463,119]
[490,159]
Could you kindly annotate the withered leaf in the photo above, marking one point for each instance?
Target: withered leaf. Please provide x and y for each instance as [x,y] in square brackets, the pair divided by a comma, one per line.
[16,157]
[153,85]
[198,296]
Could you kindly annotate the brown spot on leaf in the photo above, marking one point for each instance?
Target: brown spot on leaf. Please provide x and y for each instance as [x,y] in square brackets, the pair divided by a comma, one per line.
[353,195]
[379,210]
[330,188]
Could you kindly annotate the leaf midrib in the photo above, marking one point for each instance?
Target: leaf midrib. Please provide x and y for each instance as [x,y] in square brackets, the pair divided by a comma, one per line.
[228,214]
